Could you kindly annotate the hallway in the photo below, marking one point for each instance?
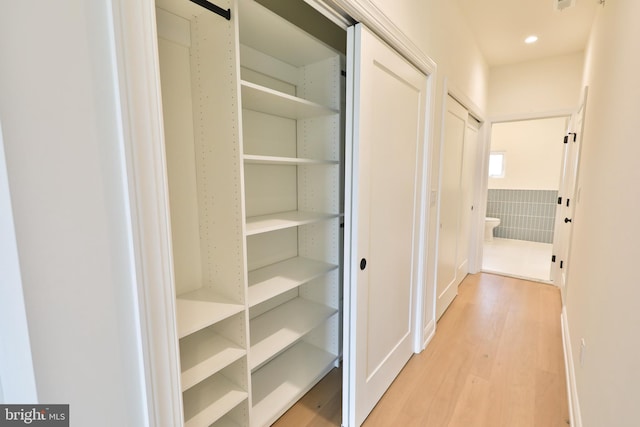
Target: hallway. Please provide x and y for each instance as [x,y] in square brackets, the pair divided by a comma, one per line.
[496,360]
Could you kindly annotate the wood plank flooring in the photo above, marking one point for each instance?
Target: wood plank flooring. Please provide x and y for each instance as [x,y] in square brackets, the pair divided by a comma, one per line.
[496,360]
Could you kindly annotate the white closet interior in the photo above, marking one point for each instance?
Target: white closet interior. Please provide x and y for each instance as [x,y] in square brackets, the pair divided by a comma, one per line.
[254,140]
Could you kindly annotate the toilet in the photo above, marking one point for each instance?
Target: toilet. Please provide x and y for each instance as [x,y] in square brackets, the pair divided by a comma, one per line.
[489,225]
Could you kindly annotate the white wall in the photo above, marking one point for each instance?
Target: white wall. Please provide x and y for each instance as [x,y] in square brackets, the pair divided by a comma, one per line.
[440,30]
[545,85]
[533,153]
[603,296]
[65,171]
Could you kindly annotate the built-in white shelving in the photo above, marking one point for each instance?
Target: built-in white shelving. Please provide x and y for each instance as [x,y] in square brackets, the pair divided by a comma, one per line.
[254,176]
[205,353]
[203,307]
[204,183]
[284,380]
[211,399]
[279,328]
[281,220]
[292,152]
[273,160]
[266,100]
[272,280]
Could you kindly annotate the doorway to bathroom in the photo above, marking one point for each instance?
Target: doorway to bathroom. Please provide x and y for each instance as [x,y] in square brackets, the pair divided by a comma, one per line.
[525,164]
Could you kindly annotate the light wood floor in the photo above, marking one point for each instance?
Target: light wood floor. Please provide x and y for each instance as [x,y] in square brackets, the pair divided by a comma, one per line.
[496,360]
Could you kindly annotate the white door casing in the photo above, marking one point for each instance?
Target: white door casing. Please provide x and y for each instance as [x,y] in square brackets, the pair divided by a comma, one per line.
[384,217]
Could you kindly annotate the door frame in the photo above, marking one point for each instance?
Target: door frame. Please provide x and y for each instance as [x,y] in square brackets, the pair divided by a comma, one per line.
[134,46]
[485,150]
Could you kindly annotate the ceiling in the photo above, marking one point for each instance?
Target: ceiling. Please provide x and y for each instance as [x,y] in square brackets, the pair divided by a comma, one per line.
[500,27]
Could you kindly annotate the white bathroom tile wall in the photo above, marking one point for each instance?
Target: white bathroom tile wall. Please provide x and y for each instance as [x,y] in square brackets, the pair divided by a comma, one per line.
[524,214]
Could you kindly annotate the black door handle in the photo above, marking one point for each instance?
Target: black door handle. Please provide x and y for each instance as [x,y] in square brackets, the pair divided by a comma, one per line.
[566,220]
[363,264]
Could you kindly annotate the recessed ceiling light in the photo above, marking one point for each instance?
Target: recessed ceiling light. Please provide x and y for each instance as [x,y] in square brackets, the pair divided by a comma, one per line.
[531,39]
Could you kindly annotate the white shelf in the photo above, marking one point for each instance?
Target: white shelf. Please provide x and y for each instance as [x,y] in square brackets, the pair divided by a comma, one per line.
[203,354]
[269,101]
[272,280]
[281,327]
[225,422]
[207,402]
[282,220]
[272,160]
[198,309]
[280,383]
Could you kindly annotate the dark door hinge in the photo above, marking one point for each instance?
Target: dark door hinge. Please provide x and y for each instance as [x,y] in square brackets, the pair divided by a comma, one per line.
[561,264]
[559,200]
[568,200]
[553,258]
[566,139]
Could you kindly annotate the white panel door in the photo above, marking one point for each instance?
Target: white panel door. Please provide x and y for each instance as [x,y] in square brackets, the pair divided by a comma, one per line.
[564,214]
[467,194]
[455,123]
[386,100]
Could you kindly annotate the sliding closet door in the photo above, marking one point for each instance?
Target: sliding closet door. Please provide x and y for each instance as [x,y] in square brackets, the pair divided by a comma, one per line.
[467,196]
[455,123]
[386,101]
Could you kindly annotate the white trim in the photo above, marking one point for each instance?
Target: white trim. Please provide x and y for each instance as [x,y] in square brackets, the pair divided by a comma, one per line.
[429,280]
[440,161]
[372,17]
[351,167]
[517,117]
[575,415]
[474,110]
[342,20]
[426,291]
[141,111]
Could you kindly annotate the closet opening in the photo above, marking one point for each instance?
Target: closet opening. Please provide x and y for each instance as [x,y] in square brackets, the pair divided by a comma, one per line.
[254,125]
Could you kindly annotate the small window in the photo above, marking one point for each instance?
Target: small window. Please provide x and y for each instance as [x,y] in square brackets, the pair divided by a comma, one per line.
[496,165]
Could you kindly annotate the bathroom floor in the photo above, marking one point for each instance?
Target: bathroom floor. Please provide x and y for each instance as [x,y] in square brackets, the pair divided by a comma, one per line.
[519,258]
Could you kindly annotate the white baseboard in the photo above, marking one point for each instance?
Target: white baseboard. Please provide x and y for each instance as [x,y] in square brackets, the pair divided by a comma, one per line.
[572,390]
